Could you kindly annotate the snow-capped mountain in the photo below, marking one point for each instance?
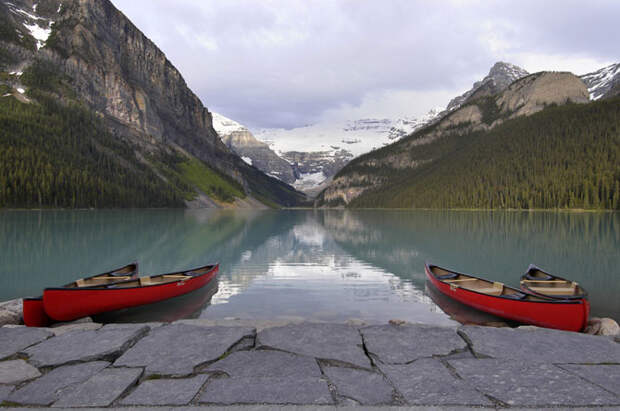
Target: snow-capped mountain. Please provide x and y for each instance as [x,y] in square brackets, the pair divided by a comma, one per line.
[319,151]
[256,153]
[604,82]
[305,157]
[354,136]
[499,78]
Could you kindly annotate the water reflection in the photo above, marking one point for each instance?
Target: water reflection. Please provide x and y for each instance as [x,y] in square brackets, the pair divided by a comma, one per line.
[322,265]
[584,247]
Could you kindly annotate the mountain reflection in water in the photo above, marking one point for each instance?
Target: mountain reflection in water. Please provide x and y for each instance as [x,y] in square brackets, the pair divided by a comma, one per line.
[331,265]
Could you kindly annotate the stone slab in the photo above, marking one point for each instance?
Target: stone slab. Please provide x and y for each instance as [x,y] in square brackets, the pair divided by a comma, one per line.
[49,387]
[101,389]
[177,349]
[107,343]
[365,387]
[17,371]
[63,329]
[13,340]
[166,391]
[606,376]
[400,344]
[531,384]
[250,390]
[428,382]
[266,363]
[324,341]
[5,390]
[541,345]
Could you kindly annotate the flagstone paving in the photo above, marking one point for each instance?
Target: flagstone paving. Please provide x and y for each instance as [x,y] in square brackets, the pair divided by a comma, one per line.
[48,388]
[82,346]
[13,340]
[16,371]
[306,364]
[175,350]
[400,344]
[325,341]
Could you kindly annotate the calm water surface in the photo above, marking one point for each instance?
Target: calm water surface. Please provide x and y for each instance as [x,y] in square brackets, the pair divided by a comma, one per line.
[317,265]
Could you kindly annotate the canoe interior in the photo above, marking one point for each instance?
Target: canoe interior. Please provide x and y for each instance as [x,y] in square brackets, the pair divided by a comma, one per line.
[122,274]
[162,278]
[541,282]
[481,286]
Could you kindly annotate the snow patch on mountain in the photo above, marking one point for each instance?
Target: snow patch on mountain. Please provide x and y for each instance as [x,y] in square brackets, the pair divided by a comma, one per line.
[354,136]
[39,27]
[600,81]
[224,125]
[309,180]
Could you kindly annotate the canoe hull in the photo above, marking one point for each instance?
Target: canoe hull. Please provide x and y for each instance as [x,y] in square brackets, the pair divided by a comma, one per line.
[34,313]
[561,315]
[67,304]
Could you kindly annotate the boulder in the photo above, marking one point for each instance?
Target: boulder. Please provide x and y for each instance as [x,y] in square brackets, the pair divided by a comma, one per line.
[11,312]
[609,327]
[602,326]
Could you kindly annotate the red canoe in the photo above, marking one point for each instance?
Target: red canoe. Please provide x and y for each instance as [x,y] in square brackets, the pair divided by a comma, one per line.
[34,313]
[539,282]
[67,304]
[506,302]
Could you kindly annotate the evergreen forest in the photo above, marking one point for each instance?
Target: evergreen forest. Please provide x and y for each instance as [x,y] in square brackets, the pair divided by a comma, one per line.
[564,157]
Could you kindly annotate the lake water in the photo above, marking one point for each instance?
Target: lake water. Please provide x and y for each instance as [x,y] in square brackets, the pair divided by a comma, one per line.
[332,265]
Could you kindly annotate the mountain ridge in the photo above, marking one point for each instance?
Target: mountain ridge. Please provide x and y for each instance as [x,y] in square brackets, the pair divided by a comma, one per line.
[96,56]
[520,98]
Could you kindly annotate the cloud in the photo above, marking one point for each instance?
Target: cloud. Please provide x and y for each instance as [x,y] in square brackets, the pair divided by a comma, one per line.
[285,63]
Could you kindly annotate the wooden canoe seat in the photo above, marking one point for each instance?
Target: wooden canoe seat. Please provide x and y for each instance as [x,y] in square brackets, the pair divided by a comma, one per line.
[554,290]
[496,290]
[80,283]
[145,281]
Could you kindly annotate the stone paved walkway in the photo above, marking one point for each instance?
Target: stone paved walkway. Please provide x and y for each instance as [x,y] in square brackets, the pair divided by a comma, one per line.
[190,364]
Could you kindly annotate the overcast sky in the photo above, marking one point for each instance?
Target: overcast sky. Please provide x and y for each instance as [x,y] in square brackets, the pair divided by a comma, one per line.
[289,63]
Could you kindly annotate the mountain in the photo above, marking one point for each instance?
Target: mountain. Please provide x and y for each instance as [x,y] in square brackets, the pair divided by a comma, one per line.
[151,128]
[536,144]
[603,83]
[319,151]
[256,153]
[499,78]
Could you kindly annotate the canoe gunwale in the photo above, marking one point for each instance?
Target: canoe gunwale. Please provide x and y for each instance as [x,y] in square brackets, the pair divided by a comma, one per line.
[567,315]
[106,286]
[561,297]
[63,304]
[544,299]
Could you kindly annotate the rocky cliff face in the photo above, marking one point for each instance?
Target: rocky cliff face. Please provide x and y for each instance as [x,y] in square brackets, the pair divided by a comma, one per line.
[523,97]
[113,68]
[499,78]
[123,75]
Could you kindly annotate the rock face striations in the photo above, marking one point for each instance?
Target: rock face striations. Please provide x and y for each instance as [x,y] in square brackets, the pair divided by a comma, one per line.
[111,67]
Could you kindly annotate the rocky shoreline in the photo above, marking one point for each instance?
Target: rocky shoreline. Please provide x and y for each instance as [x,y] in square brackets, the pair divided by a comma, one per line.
[196,363]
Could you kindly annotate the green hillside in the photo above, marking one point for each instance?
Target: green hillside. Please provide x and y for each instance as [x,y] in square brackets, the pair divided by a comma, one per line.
[54,155]
[562,157]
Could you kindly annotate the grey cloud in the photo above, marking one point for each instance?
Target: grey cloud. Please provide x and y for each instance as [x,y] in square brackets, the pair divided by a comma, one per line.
[283,63]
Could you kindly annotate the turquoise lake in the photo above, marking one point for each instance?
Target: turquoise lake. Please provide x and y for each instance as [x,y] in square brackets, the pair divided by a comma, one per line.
[331,265]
